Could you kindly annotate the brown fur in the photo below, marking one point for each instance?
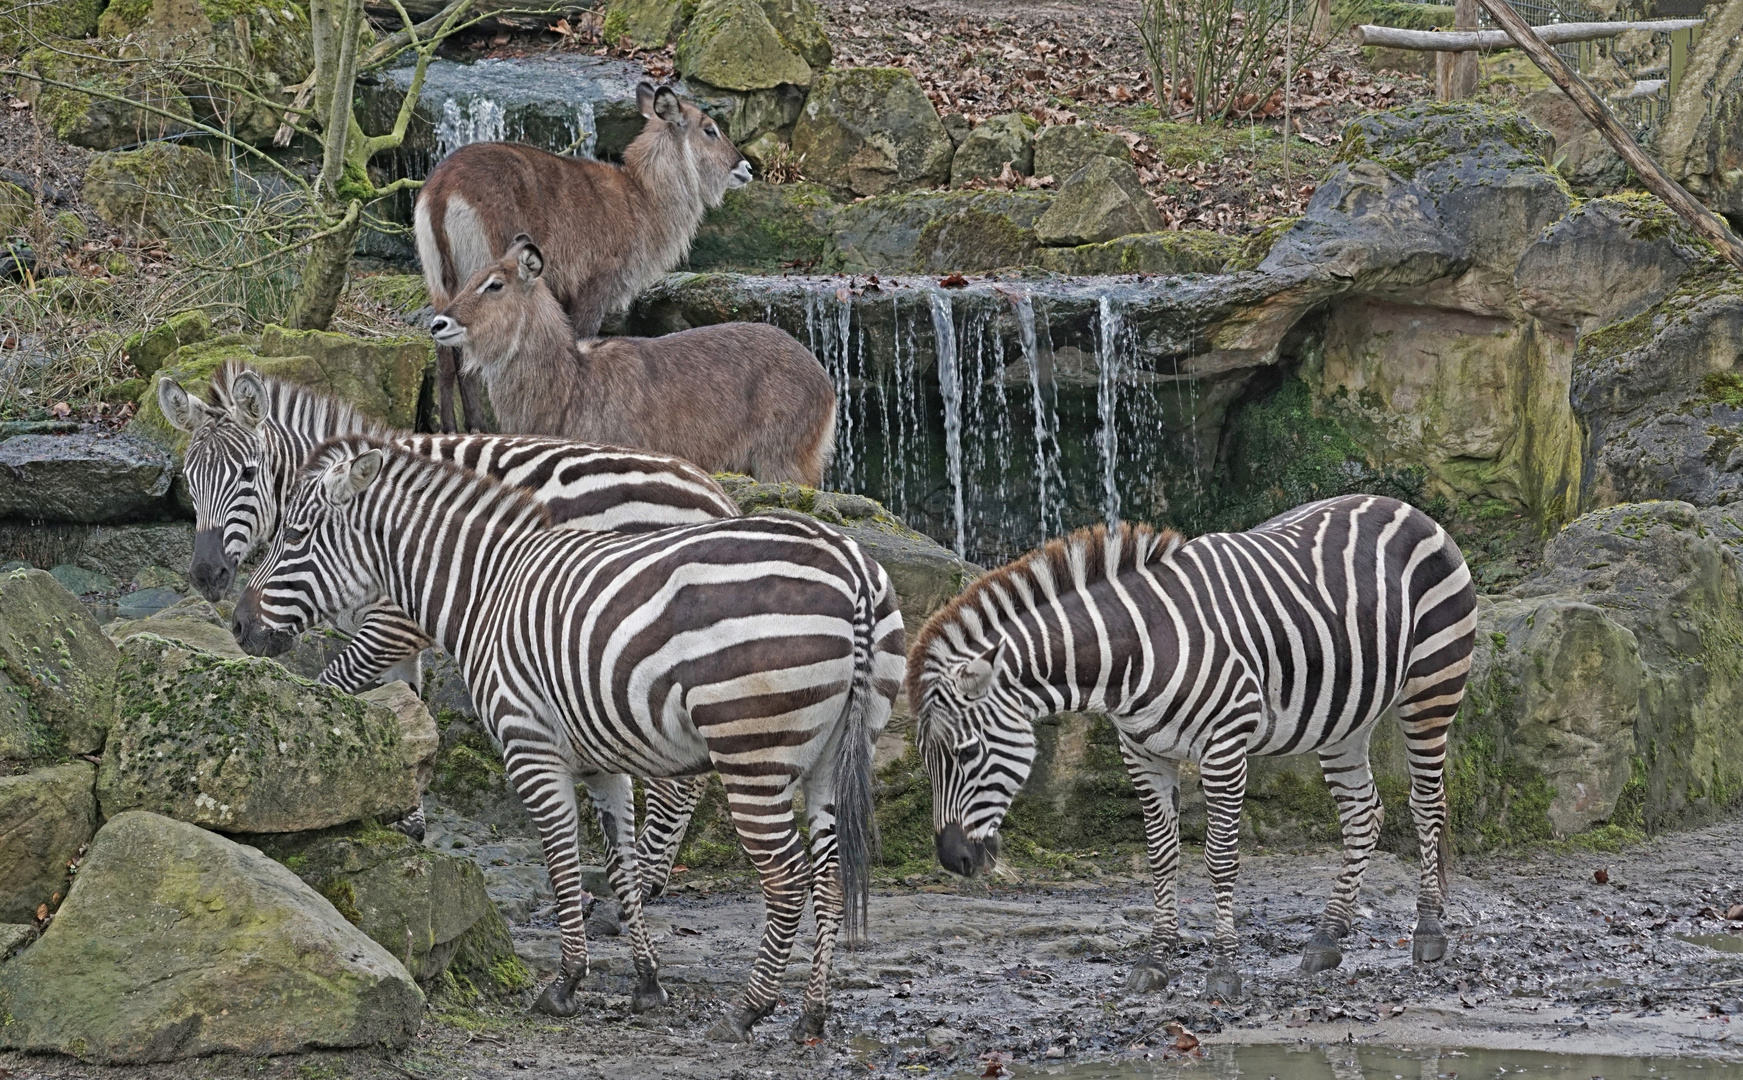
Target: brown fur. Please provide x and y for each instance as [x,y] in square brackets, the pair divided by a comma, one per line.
[1089,543]
[736,397]
[608,231]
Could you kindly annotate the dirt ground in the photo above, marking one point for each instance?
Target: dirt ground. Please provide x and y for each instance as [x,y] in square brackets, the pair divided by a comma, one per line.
[968,978]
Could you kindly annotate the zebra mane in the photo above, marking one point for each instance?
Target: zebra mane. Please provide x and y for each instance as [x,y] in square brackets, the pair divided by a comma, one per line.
[1076,560]
[400,459]
[329,412]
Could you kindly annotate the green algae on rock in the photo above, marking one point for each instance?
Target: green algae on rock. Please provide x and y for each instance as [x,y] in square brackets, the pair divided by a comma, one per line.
[56,671]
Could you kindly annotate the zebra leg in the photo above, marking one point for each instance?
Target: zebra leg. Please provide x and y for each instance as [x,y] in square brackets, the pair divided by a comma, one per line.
[1224,772]
[826,901]
[762,811]
[1425,718]
[1360,815]
[614,801]
[542,780]
[1158,784]
[387,644]
[669,806]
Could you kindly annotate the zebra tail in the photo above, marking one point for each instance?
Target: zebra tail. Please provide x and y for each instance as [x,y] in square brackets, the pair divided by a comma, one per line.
[855,823]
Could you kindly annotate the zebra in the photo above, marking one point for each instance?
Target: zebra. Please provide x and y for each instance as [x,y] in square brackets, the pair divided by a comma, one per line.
[246,444]
[1293,636]
[768,648]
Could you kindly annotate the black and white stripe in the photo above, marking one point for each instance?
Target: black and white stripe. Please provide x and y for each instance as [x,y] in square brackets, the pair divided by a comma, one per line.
[766,648]
[255,432]
[1292,637]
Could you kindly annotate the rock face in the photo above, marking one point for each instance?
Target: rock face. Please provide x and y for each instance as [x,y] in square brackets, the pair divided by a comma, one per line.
[1062,149]
[733,45]
[118,551]
[1194,252]
[866,131]
[56,669]
[99,123]
[761,226]
[645,24]
[176,943]
[87,478]
[999,141]
[243,746]
[46,817]
[146,192]
[1582,154]
[193,622]
[1101,201]
[148,349]
[55,19]
[939,232]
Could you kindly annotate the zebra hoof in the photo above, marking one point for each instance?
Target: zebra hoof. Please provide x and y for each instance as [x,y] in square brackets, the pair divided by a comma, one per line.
[1222,984]
[1428,943]
[1147,977]
[734,1026]
[559,997]
[809,1025]
[1321,954]
[649,995]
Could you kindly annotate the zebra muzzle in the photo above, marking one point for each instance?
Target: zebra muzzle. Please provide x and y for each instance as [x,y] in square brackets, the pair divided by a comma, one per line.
[212,569]
[252,633]
[960,855]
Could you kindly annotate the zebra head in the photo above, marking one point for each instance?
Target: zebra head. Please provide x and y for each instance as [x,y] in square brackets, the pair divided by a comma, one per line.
[312,570]
[223,469]
[974,729]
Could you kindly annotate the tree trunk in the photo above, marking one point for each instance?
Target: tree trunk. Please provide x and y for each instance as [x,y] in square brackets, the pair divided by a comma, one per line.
[323,279]
[1455,73]
[1321,28]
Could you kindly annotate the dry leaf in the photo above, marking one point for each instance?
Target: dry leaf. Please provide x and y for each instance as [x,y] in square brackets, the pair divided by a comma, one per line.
[1734,913]
[954,281]
[1601,875]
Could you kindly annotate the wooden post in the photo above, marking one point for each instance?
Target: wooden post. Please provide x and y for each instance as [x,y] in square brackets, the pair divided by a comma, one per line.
[1455,74]
[1702,220]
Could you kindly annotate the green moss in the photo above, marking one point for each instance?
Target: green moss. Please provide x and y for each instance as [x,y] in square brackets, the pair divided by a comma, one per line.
[1256,247]
[1494,798]
[904,813]
[1406,16]
[614,26]
[1725,387]
[766,227]
[343,896]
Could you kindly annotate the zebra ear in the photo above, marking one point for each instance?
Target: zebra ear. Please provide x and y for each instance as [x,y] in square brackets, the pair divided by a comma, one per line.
[345,479]
[184,411]
[975,678]
[248,394]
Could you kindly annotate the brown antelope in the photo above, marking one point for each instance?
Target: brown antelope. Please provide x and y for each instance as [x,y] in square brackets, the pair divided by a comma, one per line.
[609,230]
[735,397]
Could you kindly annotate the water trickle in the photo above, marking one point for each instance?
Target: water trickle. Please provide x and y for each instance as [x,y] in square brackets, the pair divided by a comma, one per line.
[477,120]
[950,389]
[1049,477]
[1108,375]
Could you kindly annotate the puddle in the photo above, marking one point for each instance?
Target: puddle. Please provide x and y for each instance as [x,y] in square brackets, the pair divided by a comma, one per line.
[1721,942]
[1385,1063]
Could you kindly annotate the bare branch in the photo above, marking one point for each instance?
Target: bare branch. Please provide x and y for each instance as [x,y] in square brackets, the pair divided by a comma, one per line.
[1392,37]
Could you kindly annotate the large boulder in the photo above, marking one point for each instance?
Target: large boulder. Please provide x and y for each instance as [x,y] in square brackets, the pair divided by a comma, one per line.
[46,818]
[1062,149]
[91,478]
[1101,201]
[246,747]
[732,44]
[643,24]
[25,25]
[102,123]
[1608,260]
[866,131]
[938,231]
[176,943]
[116,551]
[763,227]
[149,191]
[195,623]
[147,349]
[56,671]
[1582,155]
[999,141]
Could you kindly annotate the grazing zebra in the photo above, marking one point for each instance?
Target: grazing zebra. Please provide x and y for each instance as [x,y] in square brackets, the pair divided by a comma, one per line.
[245,447]
[1294,636]
[766,648]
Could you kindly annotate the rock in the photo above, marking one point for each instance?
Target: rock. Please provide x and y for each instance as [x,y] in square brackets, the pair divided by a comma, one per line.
[761,152]
[998,141]
[866,131]
[939,232]
[414,902]
[193,622]
[54,657]
[244,746]
[115,551]
[159,577]
[1062,149]
[147,192]
[83,478]
[1101,201]
[46,817]
[176,943]
[942,1036]
[144,603]
[1196,251]
[100,123]
[1607,260]
[16,207]
[419,738]
[752,114]
[956,126]
[643,24]
[1582,154]
[800,24]
[733,45]
[81,582]
[13,938]
[30,24]
[147,349]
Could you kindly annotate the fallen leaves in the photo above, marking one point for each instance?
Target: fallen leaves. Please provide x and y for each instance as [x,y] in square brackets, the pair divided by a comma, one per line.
[954,281]
[1601,875]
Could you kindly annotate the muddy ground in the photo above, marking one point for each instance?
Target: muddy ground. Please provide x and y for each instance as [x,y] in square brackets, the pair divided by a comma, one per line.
[1031,974]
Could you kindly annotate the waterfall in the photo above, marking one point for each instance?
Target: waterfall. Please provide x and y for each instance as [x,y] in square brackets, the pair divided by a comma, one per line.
[1049,476]
[1107,405]
[950,389]
[583,130]
[479,120]
[828,325]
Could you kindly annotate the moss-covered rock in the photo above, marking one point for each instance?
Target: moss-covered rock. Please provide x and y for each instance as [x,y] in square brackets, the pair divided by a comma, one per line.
[1006,139]
[1101,201]
[1062,149]
[939,231]
[866,131]
[733,45]
[195,623]
[16,206]
[47,817]
[800,24]
[146,350]
[1191,252]
[149,191]
[176,943]
[106,116]
[56,671]
[761,228]
[643,24]
[24,26]
[244,746]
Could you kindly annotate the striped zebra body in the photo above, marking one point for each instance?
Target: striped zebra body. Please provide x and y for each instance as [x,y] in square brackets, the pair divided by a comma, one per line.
[766,648]
[1295,636]
[249,441]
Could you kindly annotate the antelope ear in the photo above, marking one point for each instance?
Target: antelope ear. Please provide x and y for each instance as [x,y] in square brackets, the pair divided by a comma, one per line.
[346,479]
[531,260]
[249,395]
[184,411]
[644,98]
[975,678]
[668,108]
